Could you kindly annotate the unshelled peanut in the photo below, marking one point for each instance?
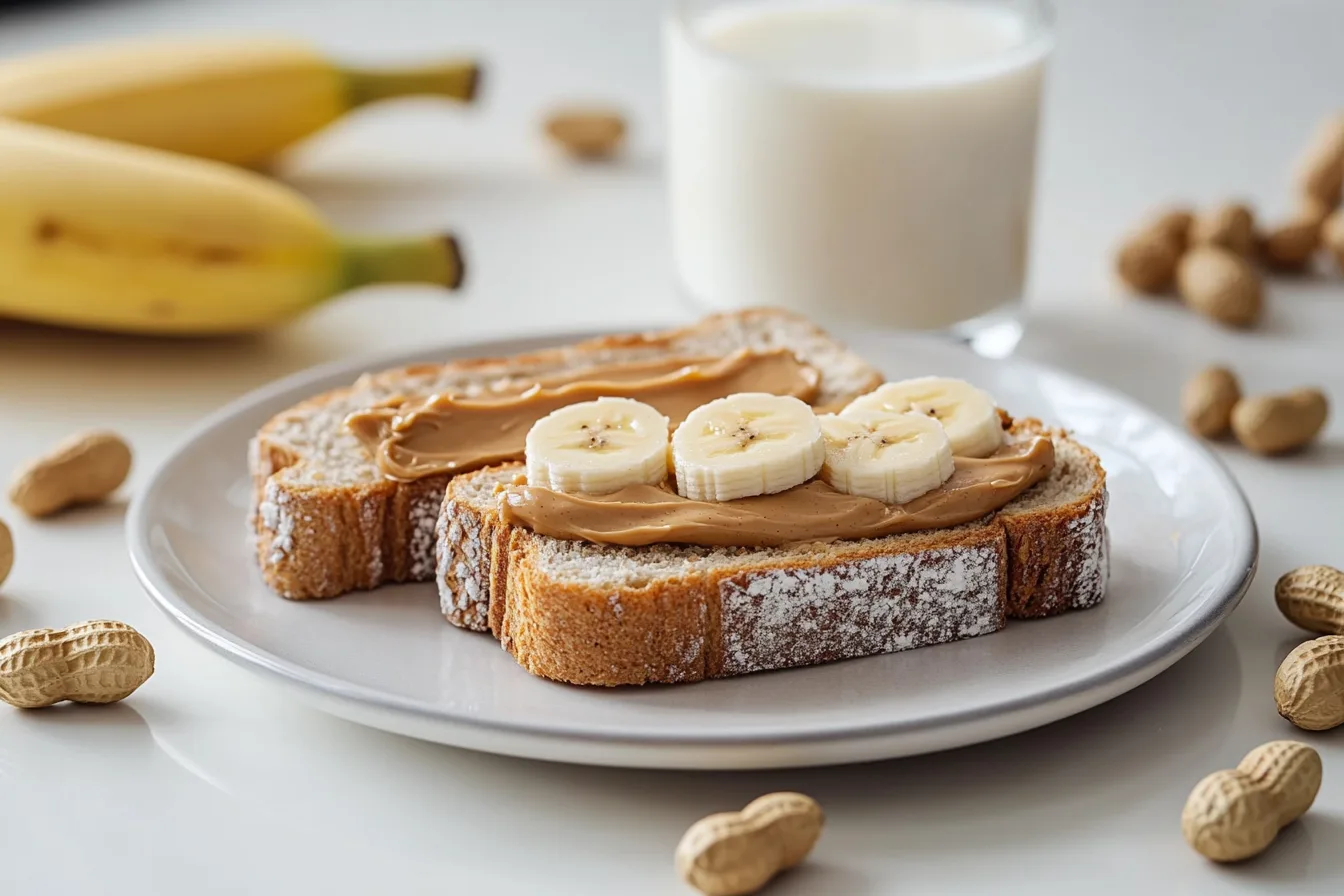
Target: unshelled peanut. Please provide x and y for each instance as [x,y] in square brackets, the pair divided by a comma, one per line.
[1146,263]
[1332,236]
[1320,170]
[1147,257]
[1277,424]
[1309,686]
[1236,813]
[1220,284]
[100,661]
[1207,401]
[1290,246]
[1230,226]
[1312,597]
[6,552]
[1173,225]
[1312,210]
[83,469]
[587,133]
[736,853]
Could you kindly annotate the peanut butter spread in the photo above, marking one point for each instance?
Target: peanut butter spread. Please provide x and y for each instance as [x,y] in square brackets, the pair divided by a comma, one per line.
[648,514]
[446,434]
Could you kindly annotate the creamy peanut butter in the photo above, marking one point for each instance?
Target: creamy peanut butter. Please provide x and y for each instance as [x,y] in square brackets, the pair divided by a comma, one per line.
[648,514]
[447,434]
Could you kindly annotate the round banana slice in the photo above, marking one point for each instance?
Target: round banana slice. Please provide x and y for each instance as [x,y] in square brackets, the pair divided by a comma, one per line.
[598,447]
[893,458]
[967,413]
[748,444]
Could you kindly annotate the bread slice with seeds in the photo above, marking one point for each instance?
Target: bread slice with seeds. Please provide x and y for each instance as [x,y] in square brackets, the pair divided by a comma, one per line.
[599,614]
[327,521]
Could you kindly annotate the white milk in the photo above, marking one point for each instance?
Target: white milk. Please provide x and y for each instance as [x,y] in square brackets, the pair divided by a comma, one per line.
[863,159]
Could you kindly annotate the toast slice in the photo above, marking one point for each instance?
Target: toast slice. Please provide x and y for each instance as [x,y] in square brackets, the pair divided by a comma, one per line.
[326,520]
[607,615]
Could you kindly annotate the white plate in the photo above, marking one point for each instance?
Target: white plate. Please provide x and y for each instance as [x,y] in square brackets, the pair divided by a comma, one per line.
[1183,551]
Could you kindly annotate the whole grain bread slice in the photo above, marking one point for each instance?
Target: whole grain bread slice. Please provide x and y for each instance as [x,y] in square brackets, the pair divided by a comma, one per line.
[326,520]
[608,615]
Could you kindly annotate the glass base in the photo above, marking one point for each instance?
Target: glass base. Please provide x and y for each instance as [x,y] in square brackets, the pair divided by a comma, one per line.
[992,335]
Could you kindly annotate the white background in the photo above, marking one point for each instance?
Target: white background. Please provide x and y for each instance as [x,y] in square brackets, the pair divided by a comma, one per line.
[208,782]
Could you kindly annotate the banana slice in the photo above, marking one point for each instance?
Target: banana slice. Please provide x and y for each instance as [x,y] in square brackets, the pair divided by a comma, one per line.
[893,458]
[747,444]
[967,413]
[598,447]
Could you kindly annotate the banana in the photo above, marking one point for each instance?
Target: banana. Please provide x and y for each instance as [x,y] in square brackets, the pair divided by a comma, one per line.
[598,447]
[891,457]
[747,444]
[967,413]
[109,236]
[237,100]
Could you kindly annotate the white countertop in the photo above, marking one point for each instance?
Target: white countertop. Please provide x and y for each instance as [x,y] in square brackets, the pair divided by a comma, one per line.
[208,781]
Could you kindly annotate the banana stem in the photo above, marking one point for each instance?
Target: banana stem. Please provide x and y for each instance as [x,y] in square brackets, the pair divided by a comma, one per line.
[456,79]
[432,259]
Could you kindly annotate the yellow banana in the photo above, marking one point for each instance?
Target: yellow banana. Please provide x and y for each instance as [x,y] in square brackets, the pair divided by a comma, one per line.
[238,101]
[110,236]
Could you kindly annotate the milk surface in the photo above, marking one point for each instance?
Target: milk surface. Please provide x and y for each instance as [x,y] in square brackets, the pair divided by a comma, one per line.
[866,160]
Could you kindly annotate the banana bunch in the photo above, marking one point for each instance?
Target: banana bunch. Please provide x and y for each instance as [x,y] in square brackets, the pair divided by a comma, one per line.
[893,445]
[108,222]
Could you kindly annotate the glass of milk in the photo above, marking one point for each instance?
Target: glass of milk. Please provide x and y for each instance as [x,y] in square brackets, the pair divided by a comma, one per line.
[868,161]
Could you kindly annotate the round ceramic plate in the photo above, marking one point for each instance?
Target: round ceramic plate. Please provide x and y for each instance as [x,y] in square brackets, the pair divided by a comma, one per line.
[1183,550]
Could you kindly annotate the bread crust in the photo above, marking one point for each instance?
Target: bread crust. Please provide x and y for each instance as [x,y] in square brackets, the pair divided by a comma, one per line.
[1059,558]
[321,532]
[796,611]
[775,609]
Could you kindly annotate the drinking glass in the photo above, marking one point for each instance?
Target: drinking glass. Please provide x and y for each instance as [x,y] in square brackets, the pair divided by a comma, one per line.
[867,161]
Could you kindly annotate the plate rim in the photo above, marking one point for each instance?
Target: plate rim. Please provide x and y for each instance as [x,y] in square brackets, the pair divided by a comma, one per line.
[1140,664]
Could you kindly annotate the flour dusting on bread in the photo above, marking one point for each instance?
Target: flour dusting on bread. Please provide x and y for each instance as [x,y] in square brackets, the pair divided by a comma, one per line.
[784,618]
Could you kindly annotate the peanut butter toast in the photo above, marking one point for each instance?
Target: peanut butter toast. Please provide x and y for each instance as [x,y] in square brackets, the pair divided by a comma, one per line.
[328,520]
[604,614]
